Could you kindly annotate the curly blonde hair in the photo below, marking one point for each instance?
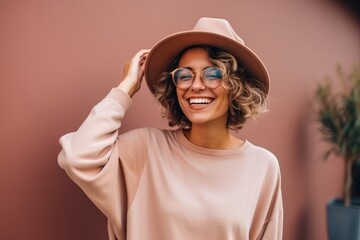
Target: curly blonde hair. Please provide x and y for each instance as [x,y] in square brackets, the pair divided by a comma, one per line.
[247,95]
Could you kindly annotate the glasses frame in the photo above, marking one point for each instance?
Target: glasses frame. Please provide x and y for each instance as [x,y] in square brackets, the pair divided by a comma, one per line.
[172,73]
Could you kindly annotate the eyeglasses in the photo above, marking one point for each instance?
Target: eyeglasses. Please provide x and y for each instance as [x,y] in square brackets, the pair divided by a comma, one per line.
[211,76]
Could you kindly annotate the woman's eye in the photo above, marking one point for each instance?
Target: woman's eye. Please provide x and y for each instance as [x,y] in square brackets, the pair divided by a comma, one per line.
[213,74]
[185,77]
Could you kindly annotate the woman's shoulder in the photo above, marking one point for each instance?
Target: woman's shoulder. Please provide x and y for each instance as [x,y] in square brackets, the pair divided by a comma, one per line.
[263,154]
[260,150]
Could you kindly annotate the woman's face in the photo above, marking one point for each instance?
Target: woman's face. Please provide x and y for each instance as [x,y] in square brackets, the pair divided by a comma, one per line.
[202,105]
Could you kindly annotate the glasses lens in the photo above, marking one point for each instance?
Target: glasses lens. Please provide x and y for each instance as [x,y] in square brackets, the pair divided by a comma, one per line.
[212,76]
[183,77]
[212,73]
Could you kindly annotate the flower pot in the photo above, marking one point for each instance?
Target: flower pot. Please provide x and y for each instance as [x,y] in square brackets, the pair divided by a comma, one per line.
[355,191]
[343,222]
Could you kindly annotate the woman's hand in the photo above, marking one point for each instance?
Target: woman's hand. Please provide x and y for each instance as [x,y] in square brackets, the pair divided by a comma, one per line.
[134,73]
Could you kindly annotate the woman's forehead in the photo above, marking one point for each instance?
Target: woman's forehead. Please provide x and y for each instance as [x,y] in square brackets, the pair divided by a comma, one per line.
[194,57]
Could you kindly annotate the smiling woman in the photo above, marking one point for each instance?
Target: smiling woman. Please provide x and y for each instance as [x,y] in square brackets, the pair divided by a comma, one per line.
[195,182]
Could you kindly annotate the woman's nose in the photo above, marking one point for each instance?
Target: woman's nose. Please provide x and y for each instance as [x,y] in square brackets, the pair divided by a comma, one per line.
[198,83]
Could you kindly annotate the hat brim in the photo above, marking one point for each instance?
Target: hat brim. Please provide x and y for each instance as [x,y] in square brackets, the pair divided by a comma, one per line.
[163,53]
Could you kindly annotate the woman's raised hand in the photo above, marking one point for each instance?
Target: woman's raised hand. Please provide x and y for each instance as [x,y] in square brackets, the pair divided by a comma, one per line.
[134,73]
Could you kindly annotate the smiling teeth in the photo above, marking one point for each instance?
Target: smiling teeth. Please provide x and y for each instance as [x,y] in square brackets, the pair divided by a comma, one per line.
[200,101]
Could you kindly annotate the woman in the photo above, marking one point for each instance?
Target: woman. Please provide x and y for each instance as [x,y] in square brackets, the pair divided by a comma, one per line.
[196,182]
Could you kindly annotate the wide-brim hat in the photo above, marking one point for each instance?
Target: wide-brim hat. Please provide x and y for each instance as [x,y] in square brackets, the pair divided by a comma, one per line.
[207,31]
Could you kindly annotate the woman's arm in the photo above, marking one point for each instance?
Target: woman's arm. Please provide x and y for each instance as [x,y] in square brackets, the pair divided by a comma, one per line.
[273,227]
[90,155]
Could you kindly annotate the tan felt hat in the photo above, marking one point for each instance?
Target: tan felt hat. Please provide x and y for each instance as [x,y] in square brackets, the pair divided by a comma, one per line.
[207,31]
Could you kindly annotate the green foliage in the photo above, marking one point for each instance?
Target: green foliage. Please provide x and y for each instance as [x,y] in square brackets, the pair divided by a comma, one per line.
[338,113]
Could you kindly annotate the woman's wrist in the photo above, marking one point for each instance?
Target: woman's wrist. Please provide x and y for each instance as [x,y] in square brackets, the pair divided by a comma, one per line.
[127,87]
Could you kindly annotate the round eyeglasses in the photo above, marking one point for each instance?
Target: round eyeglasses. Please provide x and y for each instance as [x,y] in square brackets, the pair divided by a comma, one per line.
[211,76]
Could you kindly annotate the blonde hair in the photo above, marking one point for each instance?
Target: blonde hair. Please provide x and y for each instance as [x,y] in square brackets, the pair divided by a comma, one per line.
[247,95]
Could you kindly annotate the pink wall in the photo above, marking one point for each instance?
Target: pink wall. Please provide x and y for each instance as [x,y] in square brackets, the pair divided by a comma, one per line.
[58,58]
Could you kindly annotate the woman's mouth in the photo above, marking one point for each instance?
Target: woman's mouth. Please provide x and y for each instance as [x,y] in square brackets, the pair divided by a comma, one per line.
[201,101]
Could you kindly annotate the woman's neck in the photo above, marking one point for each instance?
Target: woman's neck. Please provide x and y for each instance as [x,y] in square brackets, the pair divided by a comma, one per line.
[213,137]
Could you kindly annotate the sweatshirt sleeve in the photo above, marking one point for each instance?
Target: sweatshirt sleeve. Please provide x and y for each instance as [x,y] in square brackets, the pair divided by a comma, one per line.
[273,226]
[273,229]
[91,159]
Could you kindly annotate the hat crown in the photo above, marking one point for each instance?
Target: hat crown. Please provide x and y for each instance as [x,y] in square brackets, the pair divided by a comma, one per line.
[217,26]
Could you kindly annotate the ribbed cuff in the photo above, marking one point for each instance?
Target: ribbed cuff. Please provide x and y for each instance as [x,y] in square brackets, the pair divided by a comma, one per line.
[120,97]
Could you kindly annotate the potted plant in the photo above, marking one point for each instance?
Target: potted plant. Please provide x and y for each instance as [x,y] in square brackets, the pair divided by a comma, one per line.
[338,112]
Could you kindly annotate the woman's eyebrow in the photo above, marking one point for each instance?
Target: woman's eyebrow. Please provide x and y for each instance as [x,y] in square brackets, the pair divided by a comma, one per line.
[192,69]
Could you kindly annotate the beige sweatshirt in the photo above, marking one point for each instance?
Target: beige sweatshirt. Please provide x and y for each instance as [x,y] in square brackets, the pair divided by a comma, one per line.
[156,185]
